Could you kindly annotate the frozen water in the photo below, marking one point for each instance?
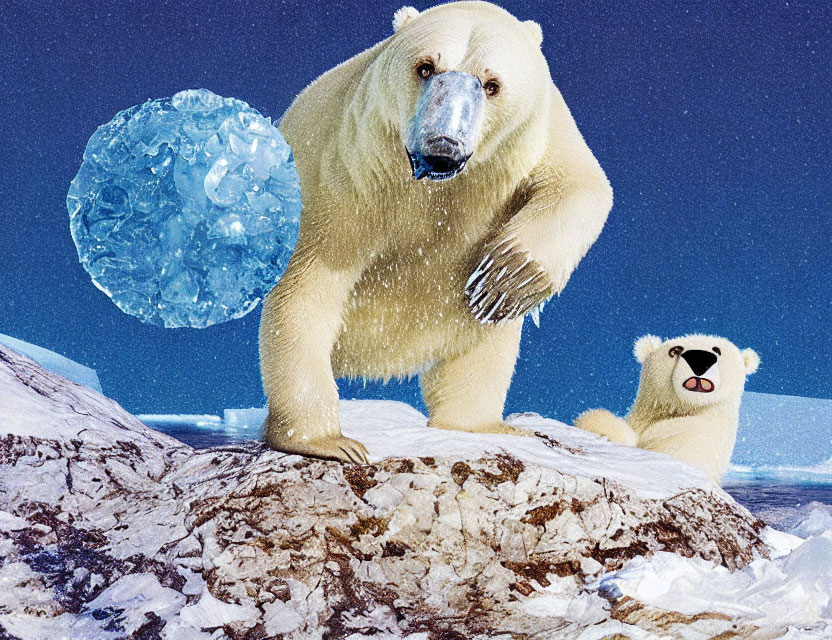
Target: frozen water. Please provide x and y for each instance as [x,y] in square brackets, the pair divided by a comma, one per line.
[783,431]
[55,362]
[186,209]
[244,419]
[200,420]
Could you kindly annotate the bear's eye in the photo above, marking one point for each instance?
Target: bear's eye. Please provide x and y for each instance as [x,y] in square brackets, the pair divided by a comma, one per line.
[425,70]
[675,351]
[492,88]
[717,351]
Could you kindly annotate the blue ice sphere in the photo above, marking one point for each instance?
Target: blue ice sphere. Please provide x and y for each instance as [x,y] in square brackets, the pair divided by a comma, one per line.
[185,210]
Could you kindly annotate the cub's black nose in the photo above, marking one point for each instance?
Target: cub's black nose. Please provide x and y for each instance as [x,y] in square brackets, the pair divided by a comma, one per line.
[699,361]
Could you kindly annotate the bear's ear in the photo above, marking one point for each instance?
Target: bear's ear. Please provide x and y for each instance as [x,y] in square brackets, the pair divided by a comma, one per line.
[535,30]
[751,361]
[645,346]
[403,16]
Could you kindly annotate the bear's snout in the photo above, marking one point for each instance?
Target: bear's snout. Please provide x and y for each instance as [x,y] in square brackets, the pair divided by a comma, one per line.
[699,361]
[444,132]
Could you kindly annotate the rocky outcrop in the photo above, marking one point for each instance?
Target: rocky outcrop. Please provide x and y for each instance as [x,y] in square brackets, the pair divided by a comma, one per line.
[109,529]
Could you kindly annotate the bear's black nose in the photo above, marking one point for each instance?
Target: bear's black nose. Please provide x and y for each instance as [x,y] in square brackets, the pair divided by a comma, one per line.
[442,164]
[441,158]
[699,361]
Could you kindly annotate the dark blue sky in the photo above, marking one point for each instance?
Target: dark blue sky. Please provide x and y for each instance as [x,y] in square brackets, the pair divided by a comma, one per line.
[713,121]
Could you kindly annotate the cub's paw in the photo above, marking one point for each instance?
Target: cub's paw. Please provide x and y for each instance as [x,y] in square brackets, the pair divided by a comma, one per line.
[508,283]
[607,424]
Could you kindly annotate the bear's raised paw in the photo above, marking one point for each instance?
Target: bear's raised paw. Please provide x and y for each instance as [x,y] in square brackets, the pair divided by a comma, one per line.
[507,284]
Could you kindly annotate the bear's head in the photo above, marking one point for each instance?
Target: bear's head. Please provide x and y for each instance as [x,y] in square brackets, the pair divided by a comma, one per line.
[458,81]
[692,371]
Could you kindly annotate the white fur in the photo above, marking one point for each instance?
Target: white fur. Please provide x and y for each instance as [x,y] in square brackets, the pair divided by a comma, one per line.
[376,285]
[535,31]
[644,346]
[695,427]
[751,360]
[403,16]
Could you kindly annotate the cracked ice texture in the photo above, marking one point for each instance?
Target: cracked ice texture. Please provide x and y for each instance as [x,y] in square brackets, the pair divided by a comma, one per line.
[185,210]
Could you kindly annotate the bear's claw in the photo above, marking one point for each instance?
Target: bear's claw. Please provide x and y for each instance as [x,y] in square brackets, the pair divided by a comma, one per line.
[506,284]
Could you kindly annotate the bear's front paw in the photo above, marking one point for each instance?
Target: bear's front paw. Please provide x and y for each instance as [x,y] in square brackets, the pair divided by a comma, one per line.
[336,448]
[507,284]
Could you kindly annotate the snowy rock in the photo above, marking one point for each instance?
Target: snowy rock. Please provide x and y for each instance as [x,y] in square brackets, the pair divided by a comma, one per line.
[129,533]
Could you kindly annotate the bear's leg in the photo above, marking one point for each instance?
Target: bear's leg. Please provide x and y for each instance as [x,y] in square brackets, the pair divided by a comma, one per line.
[467,391]
[606,424]
[301,318]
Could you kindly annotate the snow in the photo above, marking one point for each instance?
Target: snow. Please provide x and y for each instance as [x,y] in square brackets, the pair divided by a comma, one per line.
[137,594]
[54,362]
[209,612]
[814,520]
[11,522]
[780,438]
[559,600]
[792,589]
[395,429]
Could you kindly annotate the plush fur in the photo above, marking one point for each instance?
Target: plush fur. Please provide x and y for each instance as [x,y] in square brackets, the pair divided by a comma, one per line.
[380,284]
[683,408]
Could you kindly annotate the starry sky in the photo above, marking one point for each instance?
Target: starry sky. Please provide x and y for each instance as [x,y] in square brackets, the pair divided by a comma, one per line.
[712,120]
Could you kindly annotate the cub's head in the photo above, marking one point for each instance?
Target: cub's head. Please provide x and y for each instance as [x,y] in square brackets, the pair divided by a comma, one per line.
[458,80]
[694,370]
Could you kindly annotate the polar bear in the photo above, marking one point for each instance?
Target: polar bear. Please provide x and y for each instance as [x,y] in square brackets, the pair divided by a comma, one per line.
[446,193]
[688,401]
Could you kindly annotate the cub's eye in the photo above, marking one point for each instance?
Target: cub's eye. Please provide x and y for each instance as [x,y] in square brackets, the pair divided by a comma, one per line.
[492,88]
[675,351]
[717,351]
[425,70]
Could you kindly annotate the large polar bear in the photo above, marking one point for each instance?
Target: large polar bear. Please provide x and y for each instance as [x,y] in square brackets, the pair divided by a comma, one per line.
[688,401]
[395,275]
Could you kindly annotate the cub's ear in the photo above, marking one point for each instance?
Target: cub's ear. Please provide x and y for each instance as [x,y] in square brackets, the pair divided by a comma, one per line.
[403,16]
[645,346]
[751,361]
[535,30]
